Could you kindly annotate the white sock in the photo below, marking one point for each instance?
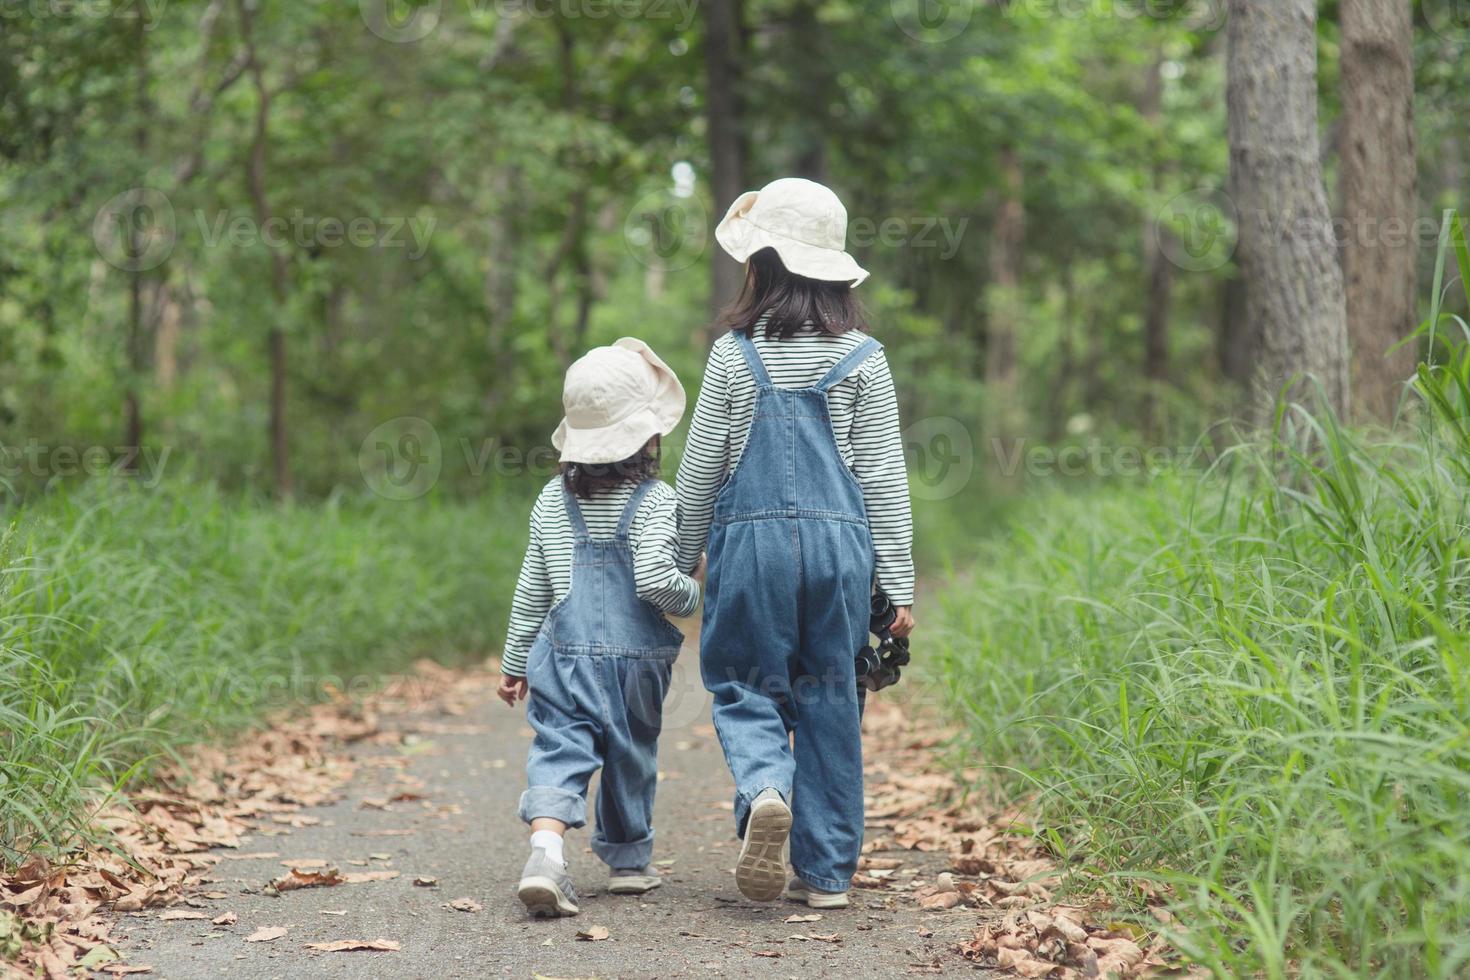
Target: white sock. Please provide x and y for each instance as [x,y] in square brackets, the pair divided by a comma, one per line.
[549,841]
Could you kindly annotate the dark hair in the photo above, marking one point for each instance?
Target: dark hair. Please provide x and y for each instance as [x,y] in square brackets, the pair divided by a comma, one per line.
[585,479]
[789,301]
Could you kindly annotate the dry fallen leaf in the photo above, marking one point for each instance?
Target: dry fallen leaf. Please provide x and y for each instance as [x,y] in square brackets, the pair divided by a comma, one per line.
[464,905]
[358,877]
[352,945]
[593,934]
[940,900]
[123,969]
[174,915]
[812,917]
[266,934]
[225,919]
[424,881]
[296,879]
[305,863]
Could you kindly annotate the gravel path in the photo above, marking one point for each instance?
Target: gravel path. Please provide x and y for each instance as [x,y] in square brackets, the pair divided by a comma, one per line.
[464,834]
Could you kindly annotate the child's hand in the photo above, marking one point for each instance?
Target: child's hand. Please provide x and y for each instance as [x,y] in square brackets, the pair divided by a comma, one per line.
[903,621]
[511,689]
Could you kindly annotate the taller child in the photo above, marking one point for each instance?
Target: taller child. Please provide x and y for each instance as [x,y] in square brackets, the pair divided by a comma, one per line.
[793,481]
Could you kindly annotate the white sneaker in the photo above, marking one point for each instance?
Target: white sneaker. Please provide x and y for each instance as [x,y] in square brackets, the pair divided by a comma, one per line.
[546,889]
[799,891]
[634,881]
[760,871]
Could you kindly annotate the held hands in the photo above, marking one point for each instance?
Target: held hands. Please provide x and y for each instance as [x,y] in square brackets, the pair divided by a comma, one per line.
[511,689]
[903,621]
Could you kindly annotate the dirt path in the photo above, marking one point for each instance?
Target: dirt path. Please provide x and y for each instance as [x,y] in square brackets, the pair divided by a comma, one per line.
[464,763]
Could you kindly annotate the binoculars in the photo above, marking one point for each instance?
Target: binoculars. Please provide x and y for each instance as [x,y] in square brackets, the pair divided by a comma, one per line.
[878,667]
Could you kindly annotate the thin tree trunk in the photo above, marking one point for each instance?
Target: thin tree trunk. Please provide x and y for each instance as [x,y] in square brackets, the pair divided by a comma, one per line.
[723,41]
[138,327]
[255,174]
[1293,280]
[1160,270]
[1002,305]
[1379,197]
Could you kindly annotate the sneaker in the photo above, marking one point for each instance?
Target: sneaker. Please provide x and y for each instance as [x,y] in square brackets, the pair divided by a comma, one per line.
[760,871]
[633,881]
[799,891]
[546,888]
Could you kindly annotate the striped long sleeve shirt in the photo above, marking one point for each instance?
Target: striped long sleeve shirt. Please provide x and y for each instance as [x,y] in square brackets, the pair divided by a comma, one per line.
[546,572]
[865,421]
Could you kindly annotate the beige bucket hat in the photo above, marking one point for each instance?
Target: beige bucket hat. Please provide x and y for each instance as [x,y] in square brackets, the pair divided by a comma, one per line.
[802,220]
[616,399]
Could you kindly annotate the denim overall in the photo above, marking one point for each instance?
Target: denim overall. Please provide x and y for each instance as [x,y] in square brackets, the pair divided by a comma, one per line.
[598,674]
[785,612]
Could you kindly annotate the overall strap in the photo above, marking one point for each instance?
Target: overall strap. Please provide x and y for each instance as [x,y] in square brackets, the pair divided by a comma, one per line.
[849,363]
[574,512]
[752,357]
[626,522]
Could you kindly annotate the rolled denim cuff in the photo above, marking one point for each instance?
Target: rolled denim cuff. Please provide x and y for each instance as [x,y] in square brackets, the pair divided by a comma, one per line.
[553,803]
[624,855]
[823,884]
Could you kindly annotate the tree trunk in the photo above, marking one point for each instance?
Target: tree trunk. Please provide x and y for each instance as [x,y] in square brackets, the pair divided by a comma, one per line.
[1379,198]
[722,60]
[1002,302]
[138,327]
[1159,269]
[255,177]
[1293,280]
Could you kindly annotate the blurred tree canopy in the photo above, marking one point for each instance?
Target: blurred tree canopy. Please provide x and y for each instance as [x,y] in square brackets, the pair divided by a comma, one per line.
[220,211]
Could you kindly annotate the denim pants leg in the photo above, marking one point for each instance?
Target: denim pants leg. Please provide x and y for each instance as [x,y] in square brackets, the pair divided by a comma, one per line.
[635,690]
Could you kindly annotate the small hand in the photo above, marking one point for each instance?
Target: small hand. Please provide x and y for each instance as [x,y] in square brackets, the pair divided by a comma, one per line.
[903,621]
[511,689]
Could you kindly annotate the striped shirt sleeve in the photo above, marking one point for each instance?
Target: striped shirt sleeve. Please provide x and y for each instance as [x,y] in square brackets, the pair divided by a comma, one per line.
[878,464]
[705,461]
[655,541]
[533,598]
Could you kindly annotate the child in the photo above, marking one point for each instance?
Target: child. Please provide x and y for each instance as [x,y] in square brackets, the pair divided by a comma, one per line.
[795,471]
[587,631]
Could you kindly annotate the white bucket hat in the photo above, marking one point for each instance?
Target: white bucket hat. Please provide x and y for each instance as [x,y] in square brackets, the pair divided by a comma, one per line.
[616,399]
[802,220]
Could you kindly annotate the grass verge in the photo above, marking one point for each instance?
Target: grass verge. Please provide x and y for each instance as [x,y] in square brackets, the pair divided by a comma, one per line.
[134,621]
[1252,684]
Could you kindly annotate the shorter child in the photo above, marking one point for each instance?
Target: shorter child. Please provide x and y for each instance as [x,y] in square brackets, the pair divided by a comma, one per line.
[588,634]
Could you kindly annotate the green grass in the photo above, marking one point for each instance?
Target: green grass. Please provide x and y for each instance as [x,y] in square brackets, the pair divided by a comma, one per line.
[134,621]
[1252,683]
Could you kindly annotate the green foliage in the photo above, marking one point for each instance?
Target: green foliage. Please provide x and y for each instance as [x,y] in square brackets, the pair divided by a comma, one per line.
[132,622]
[1251,684]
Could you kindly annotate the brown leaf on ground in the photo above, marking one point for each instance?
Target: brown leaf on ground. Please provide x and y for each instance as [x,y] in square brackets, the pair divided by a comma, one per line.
[811,917]
[124,969]
[174,915]
[464,905]
[225,919]
[305,864]
[593,934]
[358,877]
[353,945]
[424,881]
[296,879]
[266,934]
[940,900]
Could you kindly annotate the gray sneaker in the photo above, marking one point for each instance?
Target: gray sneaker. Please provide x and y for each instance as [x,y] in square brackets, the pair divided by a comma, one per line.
[546,888]
[799,891]
[633,881]
[760,872]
